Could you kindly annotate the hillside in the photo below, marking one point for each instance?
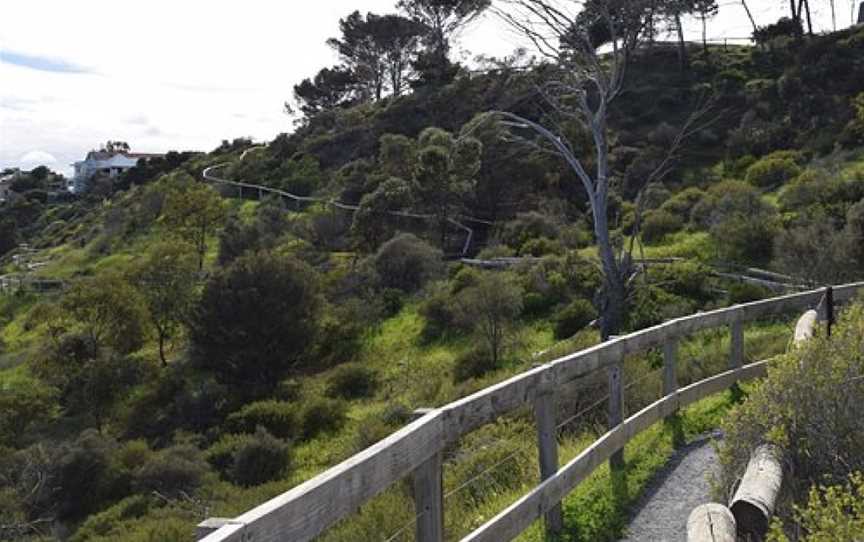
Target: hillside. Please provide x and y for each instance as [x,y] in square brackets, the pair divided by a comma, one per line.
[209,349]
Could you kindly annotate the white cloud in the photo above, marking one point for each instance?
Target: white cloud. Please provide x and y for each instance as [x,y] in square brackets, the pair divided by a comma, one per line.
[38,158]
[185,75]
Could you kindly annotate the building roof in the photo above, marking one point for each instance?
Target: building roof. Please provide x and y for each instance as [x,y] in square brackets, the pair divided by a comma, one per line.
[105,155]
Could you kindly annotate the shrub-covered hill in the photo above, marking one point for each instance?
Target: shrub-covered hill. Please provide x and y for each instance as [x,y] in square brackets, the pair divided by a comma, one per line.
[207,352]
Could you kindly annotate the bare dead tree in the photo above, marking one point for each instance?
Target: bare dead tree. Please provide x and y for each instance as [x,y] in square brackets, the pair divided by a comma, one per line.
[581,88]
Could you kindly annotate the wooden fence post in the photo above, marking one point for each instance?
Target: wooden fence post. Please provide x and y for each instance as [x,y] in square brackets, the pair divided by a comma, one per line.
[429,495]
[547,445]
[616,409]
[670,386]
[670,358]
[736,349]
[429,500]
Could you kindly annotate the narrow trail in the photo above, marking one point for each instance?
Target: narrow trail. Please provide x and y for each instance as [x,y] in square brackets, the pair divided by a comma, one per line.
[661,514]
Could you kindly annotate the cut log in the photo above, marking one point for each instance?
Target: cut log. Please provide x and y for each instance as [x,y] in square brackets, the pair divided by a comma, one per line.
[753,504]
[805,328]
[711,523]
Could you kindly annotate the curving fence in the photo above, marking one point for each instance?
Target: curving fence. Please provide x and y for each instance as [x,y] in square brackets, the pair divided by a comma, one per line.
[416,450]
[261,190]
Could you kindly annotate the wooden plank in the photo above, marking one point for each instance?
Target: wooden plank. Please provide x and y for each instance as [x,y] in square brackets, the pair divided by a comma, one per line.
[489,404]
[547,446]
[211,525]
[231,532]
[308,509]
[429,500]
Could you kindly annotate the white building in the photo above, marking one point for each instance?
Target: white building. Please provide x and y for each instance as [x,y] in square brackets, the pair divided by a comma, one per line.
[104,162]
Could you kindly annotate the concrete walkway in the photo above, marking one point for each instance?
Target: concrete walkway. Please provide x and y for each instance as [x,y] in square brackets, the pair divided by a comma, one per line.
[661,514]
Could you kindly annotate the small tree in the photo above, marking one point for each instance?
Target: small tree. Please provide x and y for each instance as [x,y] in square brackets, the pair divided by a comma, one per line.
[371,219]
[166,277]
[194,213]
[256,319]
[407,263]
[108,310]
[490,307]
[445,174]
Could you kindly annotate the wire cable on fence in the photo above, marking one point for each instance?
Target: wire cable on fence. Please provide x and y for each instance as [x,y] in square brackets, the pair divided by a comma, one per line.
[402,529]
[484,472]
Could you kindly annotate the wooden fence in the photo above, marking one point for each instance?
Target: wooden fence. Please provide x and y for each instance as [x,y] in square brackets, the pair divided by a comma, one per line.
[416,450]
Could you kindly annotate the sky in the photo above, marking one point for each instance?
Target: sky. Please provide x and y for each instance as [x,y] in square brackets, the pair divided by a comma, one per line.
[184,75]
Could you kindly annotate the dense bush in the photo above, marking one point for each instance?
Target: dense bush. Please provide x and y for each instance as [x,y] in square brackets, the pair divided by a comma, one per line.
[685,279]
[658,224]
[279,418]
[173,471]
[256,319]
[439,313]
[407,263]
[250,459]
[809,407]
[321,415]
[352,382]
[528,226]
[683,202]
[831,513]
[772,172]
[473,364]
[260,459]
[574,318]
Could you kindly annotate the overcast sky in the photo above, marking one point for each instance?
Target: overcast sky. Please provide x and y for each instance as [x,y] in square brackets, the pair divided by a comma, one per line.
[187,74]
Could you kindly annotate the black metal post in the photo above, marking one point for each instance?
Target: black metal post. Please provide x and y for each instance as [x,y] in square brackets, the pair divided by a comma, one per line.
[829,308]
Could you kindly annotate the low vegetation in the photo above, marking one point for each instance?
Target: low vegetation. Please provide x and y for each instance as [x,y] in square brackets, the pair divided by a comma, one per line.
[206,353]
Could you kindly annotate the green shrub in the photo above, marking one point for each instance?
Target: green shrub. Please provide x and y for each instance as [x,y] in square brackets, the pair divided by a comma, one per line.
[536,304]
[810,407]
[260,459]
[439,314]
[683,202]
[832,513]
[175,470]
[573,318]
[473,364]
[745,292]
[407,263]
[658,224]
[541,247]
[352,382]
[320,415]
[279,418]
[528,226]
[772,172]
[250,459]
[255,319]
[745,239]
[685,279]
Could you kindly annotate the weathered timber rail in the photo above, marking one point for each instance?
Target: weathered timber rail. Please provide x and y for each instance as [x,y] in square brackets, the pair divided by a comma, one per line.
[307,510]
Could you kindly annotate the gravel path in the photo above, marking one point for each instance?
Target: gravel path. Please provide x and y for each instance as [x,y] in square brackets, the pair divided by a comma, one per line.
[661,514]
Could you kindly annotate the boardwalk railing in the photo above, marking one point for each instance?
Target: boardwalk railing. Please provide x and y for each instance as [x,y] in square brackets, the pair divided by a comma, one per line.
[416,450]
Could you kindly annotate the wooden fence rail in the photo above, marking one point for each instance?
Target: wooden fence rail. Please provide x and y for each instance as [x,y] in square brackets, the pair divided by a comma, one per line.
[307,510]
